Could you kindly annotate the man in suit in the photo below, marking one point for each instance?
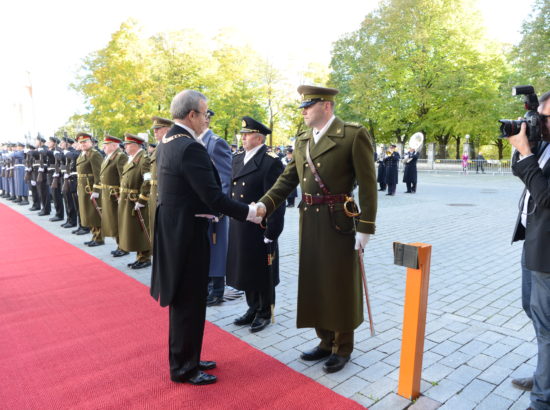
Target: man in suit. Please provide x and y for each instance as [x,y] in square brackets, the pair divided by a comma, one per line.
[189,194]
[253,257]
[109,176]
[135,185]
[391,163]
[218,230]
[531,164]
[329,159]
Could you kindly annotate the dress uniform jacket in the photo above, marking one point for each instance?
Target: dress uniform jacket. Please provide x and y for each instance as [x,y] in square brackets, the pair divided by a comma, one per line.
[153,193]
[110,173]
[329,283]
[247,267]
[220,154]
[410,173]
[88,166]
[188,185]
[391,163]
[134,186]
[21,187]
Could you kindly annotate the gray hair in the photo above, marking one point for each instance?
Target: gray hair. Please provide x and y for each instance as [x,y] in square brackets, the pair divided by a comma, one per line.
[185,102]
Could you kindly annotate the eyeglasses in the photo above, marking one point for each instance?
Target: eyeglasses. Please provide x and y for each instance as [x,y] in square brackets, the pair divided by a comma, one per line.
[206,114]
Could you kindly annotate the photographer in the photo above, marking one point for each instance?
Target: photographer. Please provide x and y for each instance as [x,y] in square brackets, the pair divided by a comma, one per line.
[531,165]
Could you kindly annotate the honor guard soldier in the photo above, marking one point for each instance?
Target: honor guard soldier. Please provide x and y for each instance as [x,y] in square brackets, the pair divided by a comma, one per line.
[160,128]
[40,163]
[330,158]
[9,173]
[253,255]
[2,183]
[68,186]
[30,176]
[88,166]
[54,160]
[133,211]
[21,187]
[109,176]
[391,162]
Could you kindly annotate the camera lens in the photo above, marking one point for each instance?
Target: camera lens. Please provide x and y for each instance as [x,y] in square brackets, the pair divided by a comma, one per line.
[510,127]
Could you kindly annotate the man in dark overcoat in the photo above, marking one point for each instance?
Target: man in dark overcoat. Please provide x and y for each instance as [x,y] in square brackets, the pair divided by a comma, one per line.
[410,175]
[391,163]
[189,194]
[329,282]
[253,257]
[381,176]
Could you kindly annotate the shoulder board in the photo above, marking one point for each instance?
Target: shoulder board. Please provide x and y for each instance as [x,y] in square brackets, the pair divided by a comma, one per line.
[272,155]
[353,124]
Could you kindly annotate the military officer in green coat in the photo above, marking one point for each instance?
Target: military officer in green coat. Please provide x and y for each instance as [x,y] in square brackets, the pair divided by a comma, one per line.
[110,174]
[329,282]
[160,128]
[133,212]
[88,166]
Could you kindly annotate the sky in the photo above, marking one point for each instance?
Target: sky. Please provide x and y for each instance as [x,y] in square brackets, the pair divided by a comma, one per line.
[43,42]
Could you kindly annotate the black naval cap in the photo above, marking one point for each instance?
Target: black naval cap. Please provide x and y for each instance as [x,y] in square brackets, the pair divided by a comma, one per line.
[159,122]
[393,146]
[312,94]
[210,113]
[40,138]
[153,145]
[30,146]
[68,140]
[54,139]
[249,124]
[20,144]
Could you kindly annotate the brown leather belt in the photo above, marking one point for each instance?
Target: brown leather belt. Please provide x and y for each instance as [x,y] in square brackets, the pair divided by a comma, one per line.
[324,199]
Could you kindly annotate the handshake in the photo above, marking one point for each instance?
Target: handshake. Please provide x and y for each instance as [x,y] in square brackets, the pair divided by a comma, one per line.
[256,212]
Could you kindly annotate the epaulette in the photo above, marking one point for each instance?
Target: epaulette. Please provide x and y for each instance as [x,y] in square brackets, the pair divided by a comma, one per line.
[353,124]
[272,155]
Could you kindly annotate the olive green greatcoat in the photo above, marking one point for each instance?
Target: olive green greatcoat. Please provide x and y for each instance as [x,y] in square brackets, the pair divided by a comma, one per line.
[134,186]
[110,173]
[88,165]
[154,192]
[329,282]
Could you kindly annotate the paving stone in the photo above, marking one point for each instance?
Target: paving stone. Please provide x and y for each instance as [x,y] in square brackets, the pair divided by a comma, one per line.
[493,402]
[425,403]
[494,374]
[481,361]
[376,371]
[464,374]
[459,402]
[477,390]
[455,359]
[436,372]
[350,386]
[444,390]
[392,402]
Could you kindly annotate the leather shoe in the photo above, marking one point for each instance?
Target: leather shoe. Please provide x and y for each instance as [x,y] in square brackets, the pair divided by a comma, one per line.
[69,225]
[130,265]
[96,243]
[524,383]
[213,300]
[245,319]
[82,232]
[335,363]
[315,354]
[199,379]
[141,265]
[55,219]
[43,213]
[119,252]
[88,242]
[258,324]
[207,365]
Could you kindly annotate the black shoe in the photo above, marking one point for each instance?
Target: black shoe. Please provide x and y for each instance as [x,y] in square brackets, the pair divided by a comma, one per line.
[88,242]
[408,192]
[43,213]
[259,323]
[24,202]
[141,265]
[335,363]
[213,301]
[245,319]
[69,225]
[55,219]
[82,231]
[76,230]
[34,208]
[315,354]
[199,379]
[96,243]
[119,252]
[131,265]
[525,383]
[382,190]
[207,365]
[17,200]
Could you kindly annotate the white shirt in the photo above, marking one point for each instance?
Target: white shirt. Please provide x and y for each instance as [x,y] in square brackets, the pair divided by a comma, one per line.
[131,157]
[249,154]
[542,162]
[199,138]
[182,125]
[317,134]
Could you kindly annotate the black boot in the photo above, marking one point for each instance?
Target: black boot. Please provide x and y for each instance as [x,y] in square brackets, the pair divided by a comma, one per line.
[24,200]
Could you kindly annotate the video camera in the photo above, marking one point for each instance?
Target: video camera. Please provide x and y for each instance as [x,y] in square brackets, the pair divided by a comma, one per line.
[532,118]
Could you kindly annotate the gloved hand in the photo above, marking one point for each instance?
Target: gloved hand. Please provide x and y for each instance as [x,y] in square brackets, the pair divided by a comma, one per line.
[55,174]
[33,183]
[361,240]
[66,176]
[138,206]
[267,240]
[94,195]
[40,169]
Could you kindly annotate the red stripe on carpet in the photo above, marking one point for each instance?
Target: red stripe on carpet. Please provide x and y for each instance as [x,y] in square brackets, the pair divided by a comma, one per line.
[78,333]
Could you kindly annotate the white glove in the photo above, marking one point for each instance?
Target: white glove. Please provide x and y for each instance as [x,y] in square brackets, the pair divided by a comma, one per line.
[208,216]
[94,195]
[138,206]
[66,176]
[33,183]
[55,174]
[361,240]
[266,240]
[257,220]
[40,169]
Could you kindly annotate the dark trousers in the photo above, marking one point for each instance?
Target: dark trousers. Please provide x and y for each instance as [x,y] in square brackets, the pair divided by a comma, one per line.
[536,303]
[340,343]
[44,196]
[259,301]
[58,202]
[71,207]
[382,186]
[411,186]
[216,286]
[35,198]
[188,311]
[391,188]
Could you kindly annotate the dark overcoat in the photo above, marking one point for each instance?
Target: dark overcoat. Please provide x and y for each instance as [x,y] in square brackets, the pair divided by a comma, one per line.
[329,282]
[220,154]
[381,178]
[247,260]
[88,165]
[153,194]
[391,162]
[188,185]
[409,162]
[110,174]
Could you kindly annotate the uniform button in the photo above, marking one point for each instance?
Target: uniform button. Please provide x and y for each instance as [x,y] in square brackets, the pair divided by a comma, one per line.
[234,183]
[317,209]
[305,208]
[233,194]
[307,165]
[318,164]
[305,179]
[242,196]
[243,183]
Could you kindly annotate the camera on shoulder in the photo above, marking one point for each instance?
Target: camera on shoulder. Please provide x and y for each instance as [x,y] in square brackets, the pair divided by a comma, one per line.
[532,118]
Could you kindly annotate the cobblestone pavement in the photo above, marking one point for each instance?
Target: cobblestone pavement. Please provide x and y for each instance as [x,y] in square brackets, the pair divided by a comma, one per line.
[477,336]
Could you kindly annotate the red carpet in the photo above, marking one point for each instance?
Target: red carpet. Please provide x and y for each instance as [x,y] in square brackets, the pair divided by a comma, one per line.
[76,333]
